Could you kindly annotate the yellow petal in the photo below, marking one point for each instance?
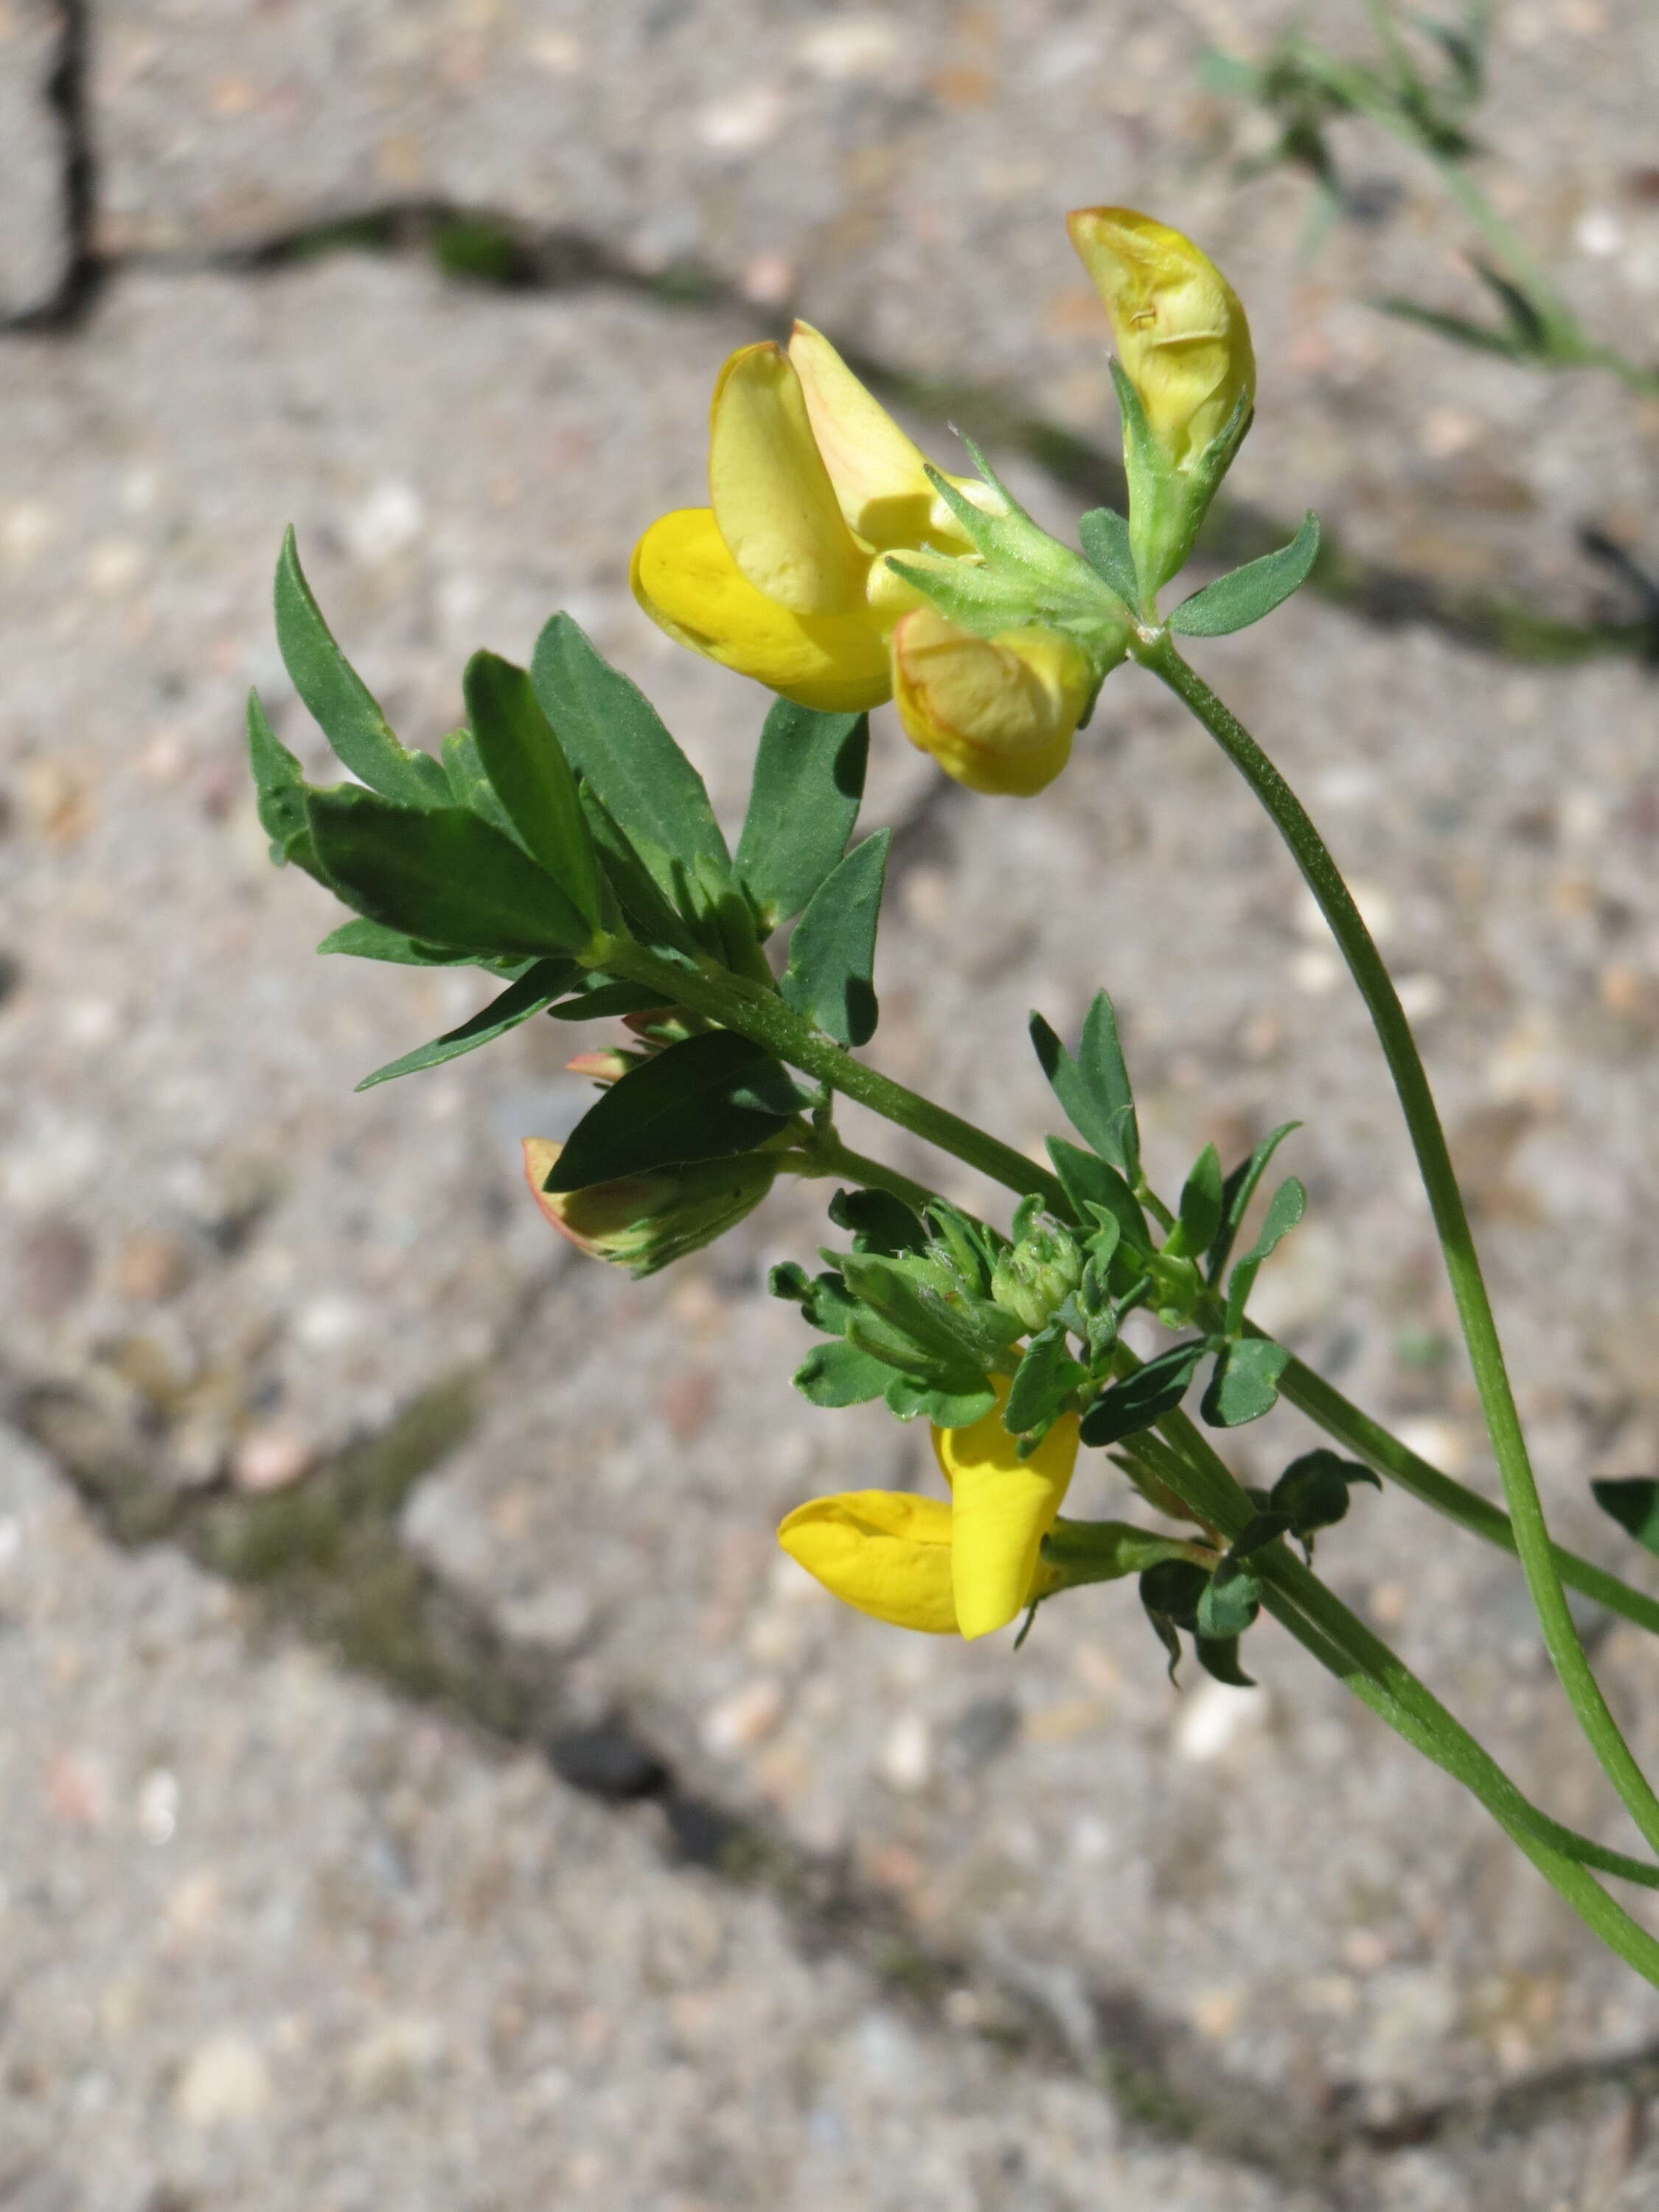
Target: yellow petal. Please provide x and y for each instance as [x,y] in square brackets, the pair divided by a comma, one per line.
[1180,332]
[687,581]
[1002,1508]
[880,475]
[997,714]
[771,493]
[883,1551]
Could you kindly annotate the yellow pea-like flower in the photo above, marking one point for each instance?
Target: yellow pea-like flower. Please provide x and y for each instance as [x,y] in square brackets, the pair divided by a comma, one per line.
[966,1567]
[997,714]
[1182,335]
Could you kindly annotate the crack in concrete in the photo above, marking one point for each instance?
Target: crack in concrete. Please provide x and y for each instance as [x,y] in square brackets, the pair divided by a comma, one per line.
[327,1560]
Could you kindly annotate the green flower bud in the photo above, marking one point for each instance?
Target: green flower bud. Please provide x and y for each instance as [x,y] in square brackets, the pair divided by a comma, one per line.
[645,1221]
[1036,1278]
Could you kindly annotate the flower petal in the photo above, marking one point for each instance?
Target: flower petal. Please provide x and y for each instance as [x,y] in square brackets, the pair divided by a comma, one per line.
[772,496]
[997,714]
[1181,334]
[1002,1509]
[685,577]
[883,1551]
[879,476]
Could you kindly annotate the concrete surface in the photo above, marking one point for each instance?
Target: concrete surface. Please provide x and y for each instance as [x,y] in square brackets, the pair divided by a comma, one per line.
[454,1798]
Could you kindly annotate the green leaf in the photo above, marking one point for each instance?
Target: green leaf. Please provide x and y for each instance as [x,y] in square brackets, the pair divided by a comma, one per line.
[823,1300]
[1088,1181]
[1245,1382]
[547,981]
[595,999]
[1044,1381]
[650,911]
[1284,1209]
[341,702]
[1218,1655]
[947,1331]
[704,1099]
[279,792]
[1459,328]
[838,1374]
[1234,602]
[445,876]
[1230,1602]
[877,1222]
[1143,1397]
[617,742]
[1105,540]
[532,777]
[1236,1195]
[1201,1201]
[1169,1592]
[1312,1494]
[372,941]
[1633,1502]
[470,785]
[833,952]
[803,806]
[910,1399]
[1094,1088]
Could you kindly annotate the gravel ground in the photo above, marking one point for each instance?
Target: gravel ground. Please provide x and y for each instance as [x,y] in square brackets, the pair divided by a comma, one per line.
[592,1858]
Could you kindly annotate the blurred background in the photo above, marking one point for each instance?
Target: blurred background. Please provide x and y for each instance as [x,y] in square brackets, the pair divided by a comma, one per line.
[425,1783]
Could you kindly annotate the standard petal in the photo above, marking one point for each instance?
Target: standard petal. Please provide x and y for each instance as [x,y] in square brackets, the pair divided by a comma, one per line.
[771,494]
[879,476]
[883,1551]
[685,577]
[997,714]
[1002,1509]
[1182,335]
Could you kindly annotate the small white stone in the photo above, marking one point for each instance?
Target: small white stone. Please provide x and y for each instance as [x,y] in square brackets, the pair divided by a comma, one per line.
[745,1718]
[1599,233]
[1422,996]
[328,1322]
[1213,1718]
[1315,969]
[158,1806]
[749,119]
[851,47]
[226,2081]
[386,521]
[907,1756]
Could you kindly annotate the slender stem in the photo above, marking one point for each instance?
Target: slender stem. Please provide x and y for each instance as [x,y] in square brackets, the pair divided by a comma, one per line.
[1382,1679]
[824,1154]
[1532,1537]
[1341,1419]
[755,1011]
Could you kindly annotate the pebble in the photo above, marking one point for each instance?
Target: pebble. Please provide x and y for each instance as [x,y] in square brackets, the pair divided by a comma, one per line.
[1213,1718]
[744,1719]
[226,2081]
[151,1267]
[907,1754]
[271,1458]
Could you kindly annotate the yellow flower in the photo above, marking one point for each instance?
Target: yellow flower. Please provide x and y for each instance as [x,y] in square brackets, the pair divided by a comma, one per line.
[781,576]
[997,714]
[967,1567]
[1180,332]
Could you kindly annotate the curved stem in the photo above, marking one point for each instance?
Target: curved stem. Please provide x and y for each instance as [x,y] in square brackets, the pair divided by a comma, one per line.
[824,1154]
[1532,1537]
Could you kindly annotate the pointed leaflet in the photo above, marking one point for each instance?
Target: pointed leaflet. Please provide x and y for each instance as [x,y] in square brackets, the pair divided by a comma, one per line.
[1201,1201]
[1105,537]
[532,777]
[279,792]
[833,952]
[547,981]
[470,785]
[839,1374]
[1284,1209]
[372,941]
[1235,601]
[341,702]
[1094,1088]
[704,1099]
[803,806]
[616,741]
[1633,1502]
[444,877]
[1090,1182]
[1236,1195]
[1044,1381]
[1143,1397]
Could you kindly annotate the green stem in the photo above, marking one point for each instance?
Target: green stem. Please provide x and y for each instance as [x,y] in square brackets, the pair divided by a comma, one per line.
[1370,1441]
[824,1154]
[1382,1680]
[1532,1537]
[756,1012]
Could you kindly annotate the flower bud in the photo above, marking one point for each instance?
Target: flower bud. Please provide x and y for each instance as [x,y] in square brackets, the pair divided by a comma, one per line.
[643,1222]
[997,714]
[1180,332]
[1034,1280]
